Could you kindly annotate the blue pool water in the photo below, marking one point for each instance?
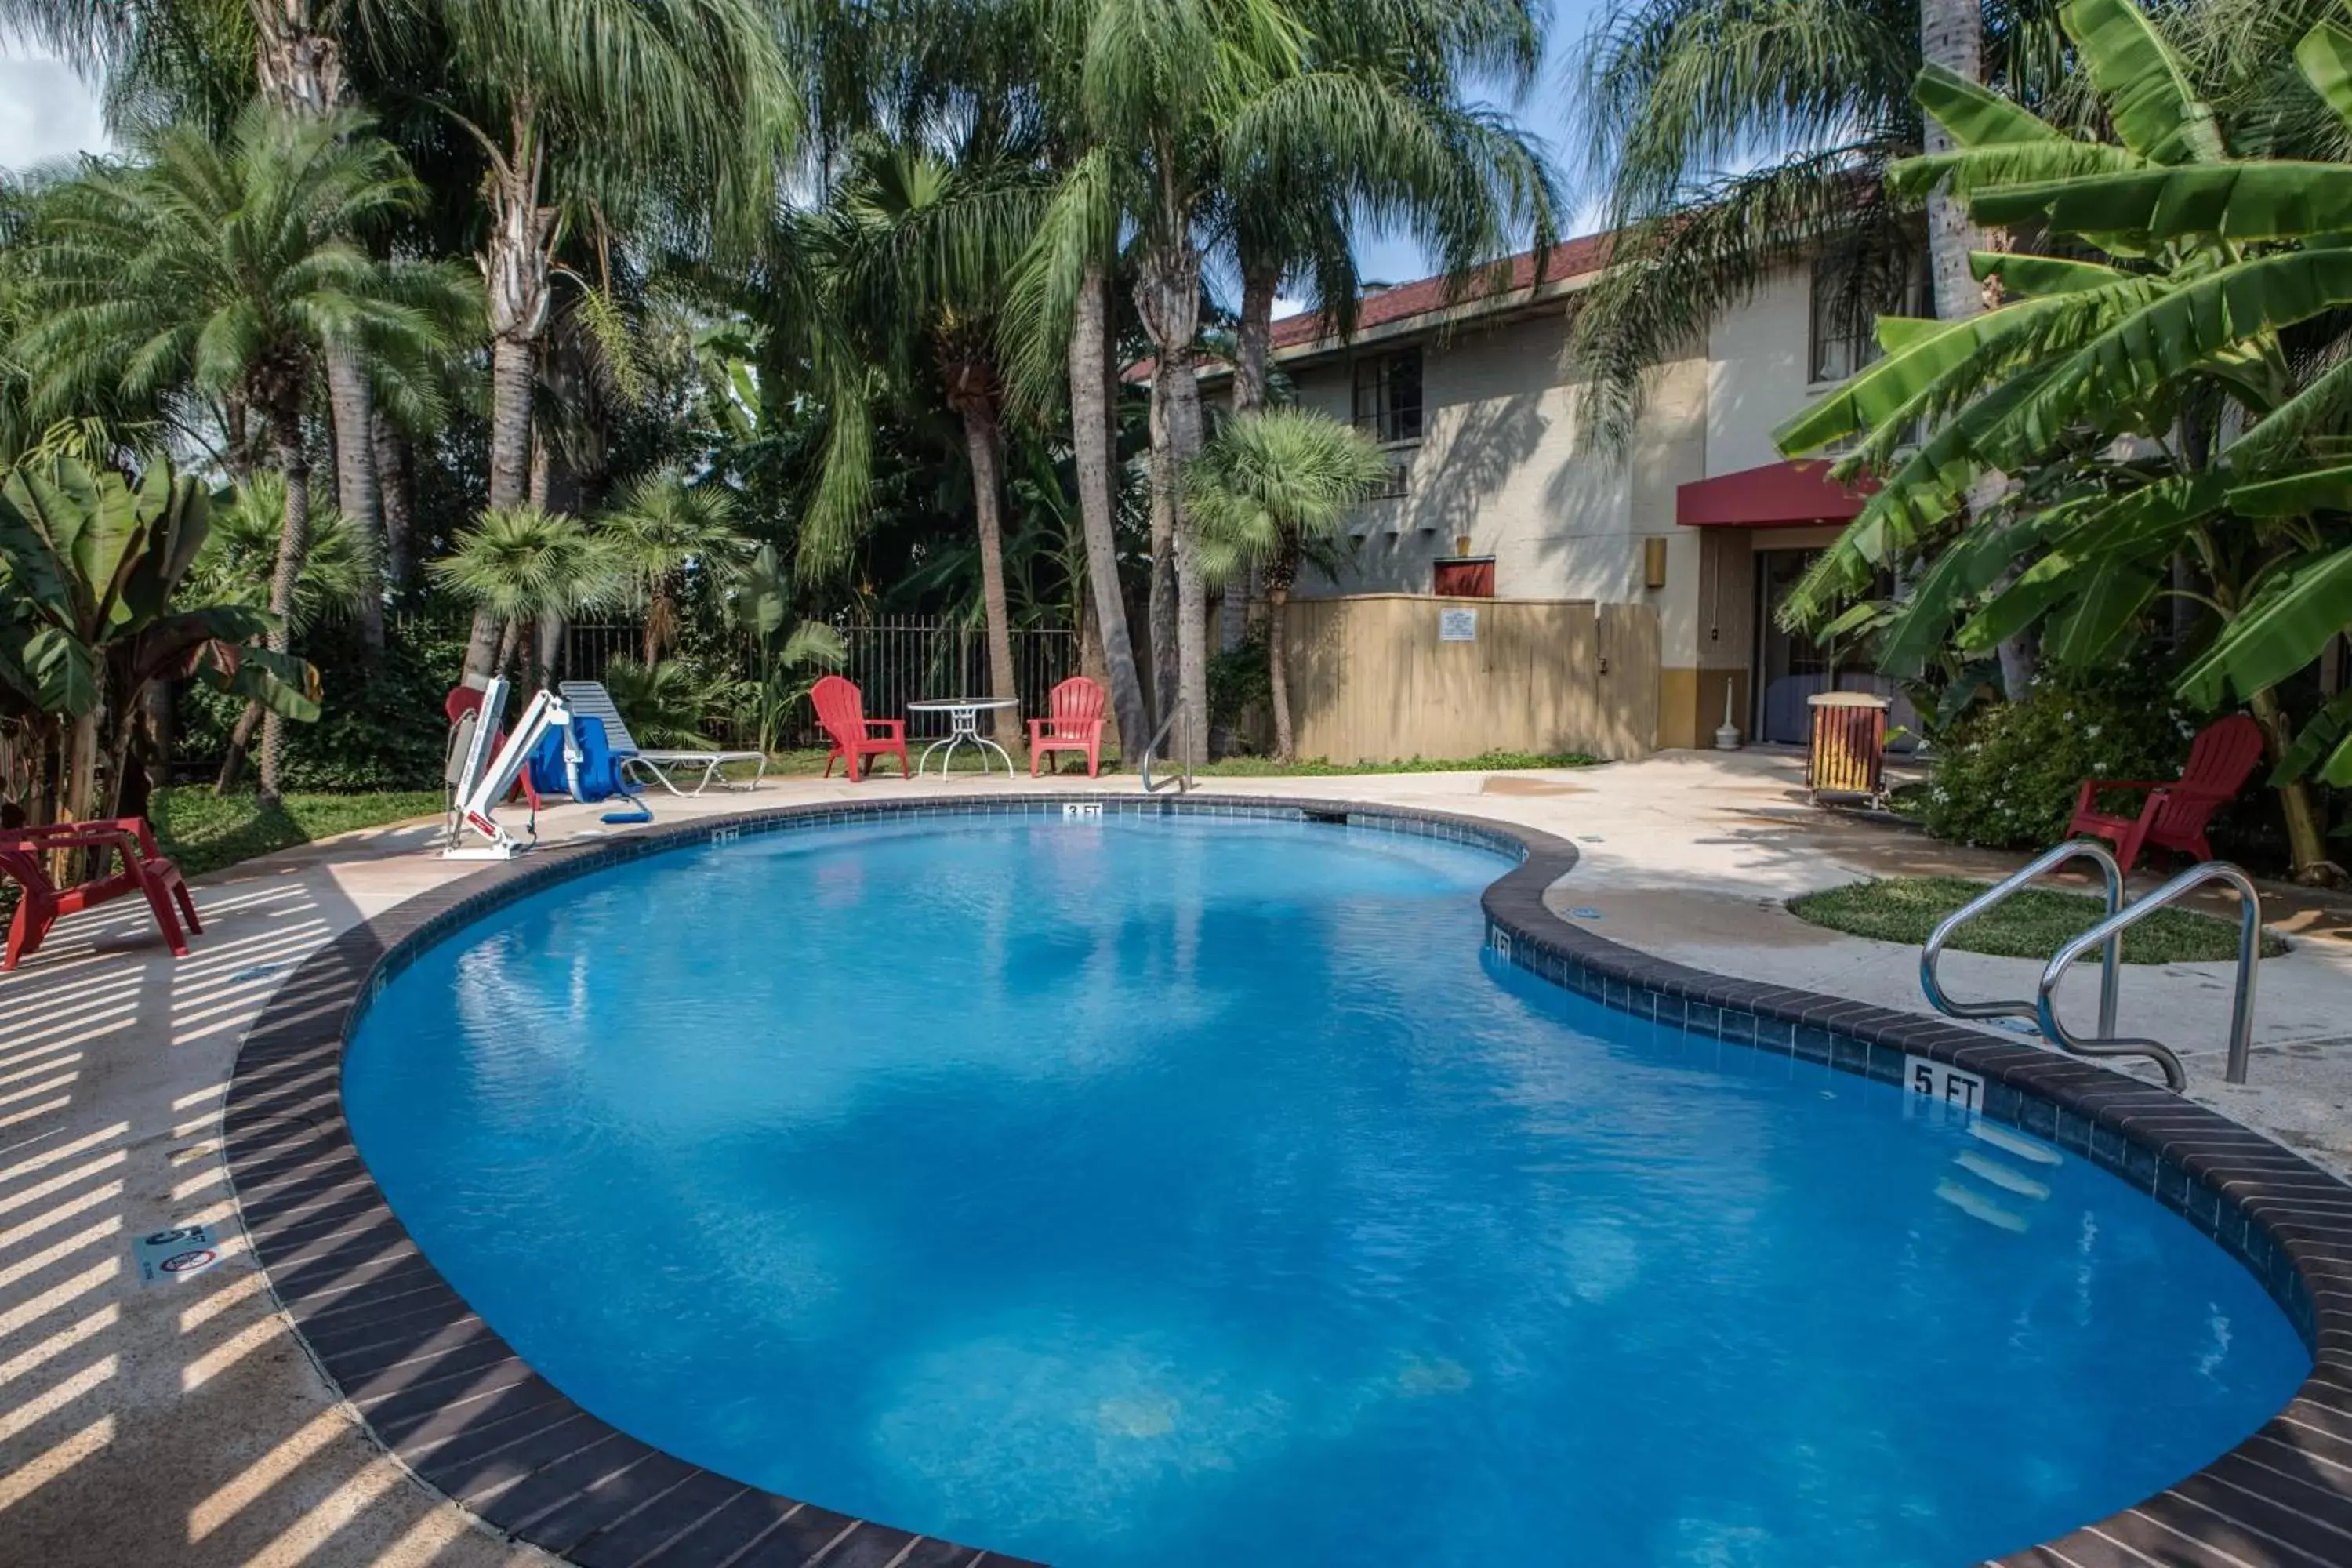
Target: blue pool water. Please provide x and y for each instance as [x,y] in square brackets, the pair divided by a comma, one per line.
[1188,1191]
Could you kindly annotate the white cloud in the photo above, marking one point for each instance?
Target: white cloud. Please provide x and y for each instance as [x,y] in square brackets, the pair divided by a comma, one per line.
[45,112]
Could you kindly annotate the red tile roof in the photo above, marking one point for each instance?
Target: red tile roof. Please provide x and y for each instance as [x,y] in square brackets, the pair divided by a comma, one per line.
[1407,300]
[1404,301]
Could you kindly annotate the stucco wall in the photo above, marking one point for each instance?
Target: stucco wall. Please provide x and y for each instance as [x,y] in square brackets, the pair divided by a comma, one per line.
[1498,466]
[1758,358]
[1497,474]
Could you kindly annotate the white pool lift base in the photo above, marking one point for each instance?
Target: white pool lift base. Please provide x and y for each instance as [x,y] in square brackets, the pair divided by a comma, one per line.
[482,780]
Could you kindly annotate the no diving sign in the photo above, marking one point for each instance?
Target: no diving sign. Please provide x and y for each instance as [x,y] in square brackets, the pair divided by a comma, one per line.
[175,1254]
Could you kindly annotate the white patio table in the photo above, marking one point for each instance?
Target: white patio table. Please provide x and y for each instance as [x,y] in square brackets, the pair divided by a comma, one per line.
[963,727]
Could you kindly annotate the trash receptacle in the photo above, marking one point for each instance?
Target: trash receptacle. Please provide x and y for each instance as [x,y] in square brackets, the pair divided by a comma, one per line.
[1848,751]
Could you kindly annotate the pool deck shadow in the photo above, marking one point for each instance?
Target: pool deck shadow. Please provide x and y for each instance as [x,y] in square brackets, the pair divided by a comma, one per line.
[187,1423]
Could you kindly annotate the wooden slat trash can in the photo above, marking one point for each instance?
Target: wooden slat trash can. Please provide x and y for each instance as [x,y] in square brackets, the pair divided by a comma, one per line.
[1848,751]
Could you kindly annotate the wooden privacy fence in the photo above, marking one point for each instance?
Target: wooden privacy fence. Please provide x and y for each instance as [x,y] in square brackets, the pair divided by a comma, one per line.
[1386,677]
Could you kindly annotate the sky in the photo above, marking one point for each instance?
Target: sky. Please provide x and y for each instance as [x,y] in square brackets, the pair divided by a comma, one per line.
[47,112]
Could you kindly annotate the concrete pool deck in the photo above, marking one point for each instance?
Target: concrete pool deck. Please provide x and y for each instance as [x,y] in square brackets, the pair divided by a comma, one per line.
[184,1423]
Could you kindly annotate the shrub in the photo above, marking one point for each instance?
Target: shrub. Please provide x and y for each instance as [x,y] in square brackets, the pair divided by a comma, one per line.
[2007,776]
[382,728]
[1240,686]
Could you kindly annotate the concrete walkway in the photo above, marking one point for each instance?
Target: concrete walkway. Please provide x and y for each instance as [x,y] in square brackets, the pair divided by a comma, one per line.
[180,1422]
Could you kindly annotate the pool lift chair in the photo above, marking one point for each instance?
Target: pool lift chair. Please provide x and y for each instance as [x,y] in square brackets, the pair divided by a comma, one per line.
[481,780]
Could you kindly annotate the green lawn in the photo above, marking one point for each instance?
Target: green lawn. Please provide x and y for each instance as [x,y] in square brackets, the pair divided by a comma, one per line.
[204,831]
[2030,925]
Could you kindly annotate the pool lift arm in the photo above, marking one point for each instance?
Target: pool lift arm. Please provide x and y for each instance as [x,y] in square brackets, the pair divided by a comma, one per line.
[483,781]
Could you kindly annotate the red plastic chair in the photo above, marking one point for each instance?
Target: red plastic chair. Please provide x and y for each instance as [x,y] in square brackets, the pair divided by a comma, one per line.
[2175,814]
[841,710]
[1075,724]
[144,870]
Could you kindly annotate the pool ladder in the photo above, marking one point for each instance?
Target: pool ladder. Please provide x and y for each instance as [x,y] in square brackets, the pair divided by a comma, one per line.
[2107,936]
[1184,779]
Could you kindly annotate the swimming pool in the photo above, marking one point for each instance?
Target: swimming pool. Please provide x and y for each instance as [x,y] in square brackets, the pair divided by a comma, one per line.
[1176,1191]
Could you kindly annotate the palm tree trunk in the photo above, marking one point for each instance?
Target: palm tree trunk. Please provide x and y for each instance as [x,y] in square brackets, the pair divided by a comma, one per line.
[1277,674]
[351,402]
[1254,338]
[299,68]
[396,494]
[293,544]
[548,652]
[1951,35]
[1093,393]
[1161,607]
[1169,297]
[1191,592]
[1253,345]
[515,272]
[240,740]
[979,438]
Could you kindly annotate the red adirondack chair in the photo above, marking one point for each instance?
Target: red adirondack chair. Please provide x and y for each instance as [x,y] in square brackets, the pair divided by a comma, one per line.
[1075,724]
[840,709]
[23,851]
[2175,813]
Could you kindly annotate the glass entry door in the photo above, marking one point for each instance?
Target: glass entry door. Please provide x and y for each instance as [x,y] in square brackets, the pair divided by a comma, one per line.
[1789,666]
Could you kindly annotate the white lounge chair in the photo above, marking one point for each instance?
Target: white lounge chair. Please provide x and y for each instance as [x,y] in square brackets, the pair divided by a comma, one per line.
[590,700]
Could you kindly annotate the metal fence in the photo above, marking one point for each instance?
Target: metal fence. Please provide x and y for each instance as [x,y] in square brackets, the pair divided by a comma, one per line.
[894,662]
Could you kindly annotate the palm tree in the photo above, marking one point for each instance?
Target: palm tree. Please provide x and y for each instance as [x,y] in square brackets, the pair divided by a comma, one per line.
[1396,78]
[661,527]
[1814,98]
[339,573]
[1273,487]
[594,114]
[519,564]
[1202,120]
[913,251]
[166,62]
[224,271]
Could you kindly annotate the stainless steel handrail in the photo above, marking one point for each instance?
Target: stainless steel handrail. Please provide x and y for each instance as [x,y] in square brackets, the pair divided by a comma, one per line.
[2111,960]
[2110,931]
[1183,780]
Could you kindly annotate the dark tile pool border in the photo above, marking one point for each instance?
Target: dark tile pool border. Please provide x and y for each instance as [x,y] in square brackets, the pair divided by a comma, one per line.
[448,1396]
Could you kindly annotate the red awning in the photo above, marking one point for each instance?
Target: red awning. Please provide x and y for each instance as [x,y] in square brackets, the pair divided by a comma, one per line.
[1778,495]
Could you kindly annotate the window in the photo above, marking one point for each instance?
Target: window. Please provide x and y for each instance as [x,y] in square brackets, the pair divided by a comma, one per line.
[1400,479]
[1464,579]
[1844,335]
[1388,395]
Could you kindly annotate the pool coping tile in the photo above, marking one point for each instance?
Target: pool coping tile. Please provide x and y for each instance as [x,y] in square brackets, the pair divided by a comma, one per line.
[442,1391]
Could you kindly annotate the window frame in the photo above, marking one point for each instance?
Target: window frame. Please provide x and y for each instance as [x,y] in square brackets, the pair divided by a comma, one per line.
[1386,419]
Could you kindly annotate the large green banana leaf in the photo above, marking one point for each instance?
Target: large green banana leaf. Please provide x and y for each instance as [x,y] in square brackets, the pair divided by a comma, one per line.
[2325,57]
[2326,734]
[64,671]
[2103,617]
[1896,388]
[280,683]
[2137,358]
[2283,628]
[2272,199]
[2143,84]
[2321,490]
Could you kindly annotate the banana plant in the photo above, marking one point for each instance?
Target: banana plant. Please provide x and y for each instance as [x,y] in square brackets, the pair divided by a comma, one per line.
[92,565]
[793,654]
[2137,392]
